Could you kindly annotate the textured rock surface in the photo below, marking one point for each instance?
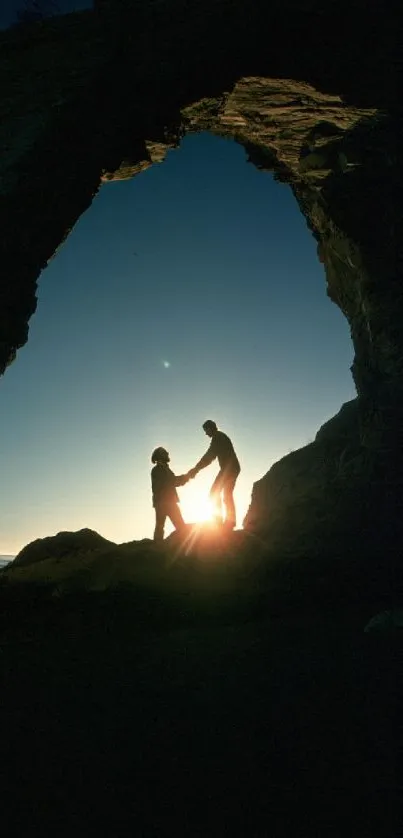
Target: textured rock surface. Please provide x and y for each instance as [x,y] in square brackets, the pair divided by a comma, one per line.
[100,95]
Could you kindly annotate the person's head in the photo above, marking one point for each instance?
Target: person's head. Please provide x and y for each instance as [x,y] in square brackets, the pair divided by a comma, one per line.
[160,455]
[209,427]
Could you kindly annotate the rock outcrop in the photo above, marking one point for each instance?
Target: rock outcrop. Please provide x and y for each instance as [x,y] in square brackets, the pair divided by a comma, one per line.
[333,500]
[206,562]
[295,487]
[316,499]
[100,95]
[64,545]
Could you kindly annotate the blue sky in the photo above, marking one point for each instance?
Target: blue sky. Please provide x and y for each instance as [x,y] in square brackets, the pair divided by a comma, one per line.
[192,291]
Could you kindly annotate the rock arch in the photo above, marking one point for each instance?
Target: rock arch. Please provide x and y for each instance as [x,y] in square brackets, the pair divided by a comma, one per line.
[98,95]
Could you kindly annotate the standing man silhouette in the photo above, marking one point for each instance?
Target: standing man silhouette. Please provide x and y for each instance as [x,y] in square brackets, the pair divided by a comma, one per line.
[224,484]
[165,496]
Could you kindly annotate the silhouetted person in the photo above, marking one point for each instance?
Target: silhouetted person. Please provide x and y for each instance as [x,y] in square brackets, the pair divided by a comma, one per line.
[224,484]
[165,496]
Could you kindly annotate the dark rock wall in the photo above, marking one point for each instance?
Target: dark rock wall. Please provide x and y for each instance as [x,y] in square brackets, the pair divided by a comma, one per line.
[50,154]
[358,218]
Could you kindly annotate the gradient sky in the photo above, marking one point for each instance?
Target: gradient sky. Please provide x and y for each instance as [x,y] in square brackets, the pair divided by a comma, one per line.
[202,263]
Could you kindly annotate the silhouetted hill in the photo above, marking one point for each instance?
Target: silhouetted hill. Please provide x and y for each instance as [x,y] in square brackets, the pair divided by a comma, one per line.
[65,545]
[206,560]
[207,572]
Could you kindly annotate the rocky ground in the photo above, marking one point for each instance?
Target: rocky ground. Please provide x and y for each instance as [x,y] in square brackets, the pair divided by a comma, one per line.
[192,690]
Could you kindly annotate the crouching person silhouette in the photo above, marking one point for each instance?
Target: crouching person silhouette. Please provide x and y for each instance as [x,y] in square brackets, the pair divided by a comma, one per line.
[165,496]
[224,484]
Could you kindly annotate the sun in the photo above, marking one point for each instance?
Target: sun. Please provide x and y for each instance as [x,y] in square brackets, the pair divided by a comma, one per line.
[196,507]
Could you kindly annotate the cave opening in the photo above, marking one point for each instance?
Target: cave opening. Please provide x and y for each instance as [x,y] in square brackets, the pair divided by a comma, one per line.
[190,291]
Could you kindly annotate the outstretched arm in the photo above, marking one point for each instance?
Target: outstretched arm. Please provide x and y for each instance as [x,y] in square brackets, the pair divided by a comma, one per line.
[181,479]
[207,458]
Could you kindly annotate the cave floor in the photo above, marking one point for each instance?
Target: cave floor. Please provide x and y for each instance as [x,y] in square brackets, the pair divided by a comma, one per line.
[278,726]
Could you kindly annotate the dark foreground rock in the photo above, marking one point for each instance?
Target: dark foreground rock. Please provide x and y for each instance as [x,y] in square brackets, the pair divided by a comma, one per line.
[286,726]
[211,571]
[203,687]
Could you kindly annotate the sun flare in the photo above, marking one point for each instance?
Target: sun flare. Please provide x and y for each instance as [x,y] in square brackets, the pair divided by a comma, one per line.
[197,508]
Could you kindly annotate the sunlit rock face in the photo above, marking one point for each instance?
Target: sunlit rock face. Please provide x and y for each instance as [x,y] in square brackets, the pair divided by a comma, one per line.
[101,95]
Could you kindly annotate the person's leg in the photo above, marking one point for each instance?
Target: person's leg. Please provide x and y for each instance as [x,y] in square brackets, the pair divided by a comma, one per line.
[215,497]
[160,517]
[176,517]
[230,514]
